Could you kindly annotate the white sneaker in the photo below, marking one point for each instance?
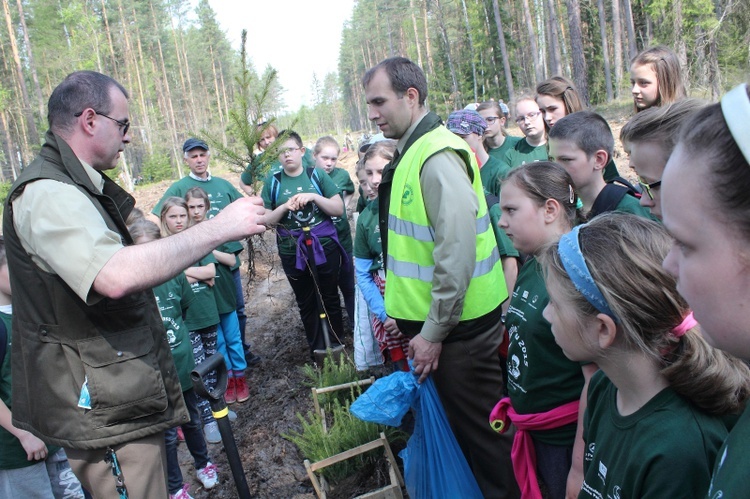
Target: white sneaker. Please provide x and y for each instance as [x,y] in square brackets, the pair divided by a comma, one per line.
[208,476]
[211,432]
[182,493]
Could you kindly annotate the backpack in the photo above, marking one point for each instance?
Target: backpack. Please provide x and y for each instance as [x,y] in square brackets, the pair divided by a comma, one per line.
[611,195]
[312,174]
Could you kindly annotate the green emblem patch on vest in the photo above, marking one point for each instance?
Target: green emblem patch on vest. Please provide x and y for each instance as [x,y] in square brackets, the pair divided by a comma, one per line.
[408,196]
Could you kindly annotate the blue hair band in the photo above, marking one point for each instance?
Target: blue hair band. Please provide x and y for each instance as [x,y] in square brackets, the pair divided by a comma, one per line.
[572,259]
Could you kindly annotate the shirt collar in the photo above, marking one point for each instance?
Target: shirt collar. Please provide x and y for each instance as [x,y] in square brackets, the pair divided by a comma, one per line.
[199,179]
[405,138]
[94,175]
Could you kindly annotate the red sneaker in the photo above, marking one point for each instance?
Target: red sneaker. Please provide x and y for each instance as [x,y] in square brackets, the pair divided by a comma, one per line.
[240,386]
[230,396]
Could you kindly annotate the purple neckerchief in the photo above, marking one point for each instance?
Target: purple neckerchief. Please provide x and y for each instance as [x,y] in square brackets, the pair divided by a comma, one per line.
[323,229]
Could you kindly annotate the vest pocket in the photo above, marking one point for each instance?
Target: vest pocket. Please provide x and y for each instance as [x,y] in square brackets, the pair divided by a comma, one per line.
[124,379]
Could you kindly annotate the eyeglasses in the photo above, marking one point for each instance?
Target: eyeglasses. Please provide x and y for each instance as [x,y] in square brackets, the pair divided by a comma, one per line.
[124,125]
[530,116]
[288,150]
[491,119]
[647,187]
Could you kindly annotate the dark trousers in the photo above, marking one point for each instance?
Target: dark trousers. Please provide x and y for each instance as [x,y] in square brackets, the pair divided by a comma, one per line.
[346,285]
[470,382]
[240,294]
[305,289]
[552,466]
[196,444]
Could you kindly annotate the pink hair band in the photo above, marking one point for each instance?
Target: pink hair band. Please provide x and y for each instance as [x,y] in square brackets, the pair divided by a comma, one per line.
[687,324]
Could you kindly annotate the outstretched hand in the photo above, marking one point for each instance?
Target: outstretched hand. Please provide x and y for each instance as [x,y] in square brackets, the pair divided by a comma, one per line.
[242,218]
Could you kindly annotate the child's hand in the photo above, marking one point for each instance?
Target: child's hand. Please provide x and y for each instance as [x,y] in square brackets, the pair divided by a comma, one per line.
[299,201]
[35,449]
[210,282]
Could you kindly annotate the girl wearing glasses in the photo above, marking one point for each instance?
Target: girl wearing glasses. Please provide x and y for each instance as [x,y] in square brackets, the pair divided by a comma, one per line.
[557,97]
[706,209]
[496,138]
[649,138]
[533,147]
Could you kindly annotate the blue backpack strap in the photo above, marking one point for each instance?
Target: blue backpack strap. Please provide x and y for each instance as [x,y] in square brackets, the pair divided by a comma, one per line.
[313,174]
[275,186]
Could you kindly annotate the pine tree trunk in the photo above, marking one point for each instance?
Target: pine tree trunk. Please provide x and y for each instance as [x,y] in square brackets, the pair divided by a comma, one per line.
[605,49]
[113,60]
[427,44]
[504,51]
[457,98]
[33,135]
[416,32]
[538,68]
[578,58]
[554,42]
[32,64]
[471,49]
[617,46]
[679,40]
[630,27]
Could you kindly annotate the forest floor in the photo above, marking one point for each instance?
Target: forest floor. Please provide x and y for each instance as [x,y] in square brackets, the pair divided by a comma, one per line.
[278,389]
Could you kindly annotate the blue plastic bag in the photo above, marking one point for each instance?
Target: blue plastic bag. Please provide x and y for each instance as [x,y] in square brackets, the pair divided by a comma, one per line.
[434,465]
[387,400]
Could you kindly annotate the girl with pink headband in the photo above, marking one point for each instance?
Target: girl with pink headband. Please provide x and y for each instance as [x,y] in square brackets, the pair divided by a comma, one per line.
[654,420]
[706,209]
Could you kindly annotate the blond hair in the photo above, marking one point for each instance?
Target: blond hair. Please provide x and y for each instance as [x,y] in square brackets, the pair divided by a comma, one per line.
[171,202]
[623,253]
[325,142]
[660,125]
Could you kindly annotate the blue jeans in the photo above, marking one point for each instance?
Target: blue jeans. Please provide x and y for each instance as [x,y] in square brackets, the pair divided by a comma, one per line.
[239,293]
[229,343]
[196,444]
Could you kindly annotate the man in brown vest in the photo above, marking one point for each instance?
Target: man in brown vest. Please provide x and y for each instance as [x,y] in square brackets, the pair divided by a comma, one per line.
[91,367]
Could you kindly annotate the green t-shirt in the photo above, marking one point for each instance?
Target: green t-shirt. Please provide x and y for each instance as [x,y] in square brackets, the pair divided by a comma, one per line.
[504,244]
[540,376]
[12,454]
[224,288]
[220,193]
[492,173]
[367,242]
[523,153]
[310,215]
[630,204]
[610,171]
[499,152]
[174,297]
[665,449]
[203,312]
[345,185]
[730,476]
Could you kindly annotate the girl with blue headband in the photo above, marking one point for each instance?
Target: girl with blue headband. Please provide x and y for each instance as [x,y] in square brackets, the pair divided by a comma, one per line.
[706,208]
[655,408]
[544,387]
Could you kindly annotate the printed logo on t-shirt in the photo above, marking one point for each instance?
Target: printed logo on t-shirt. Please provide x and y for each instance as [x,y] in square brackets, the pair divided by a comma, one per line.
[615,494]
[588,456]
[602,471]
[287,192]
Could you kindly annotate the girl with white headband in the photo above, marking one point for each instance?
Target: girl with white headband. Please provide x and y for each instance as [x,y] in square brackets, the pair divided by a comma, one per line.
[706,208]
[655,407]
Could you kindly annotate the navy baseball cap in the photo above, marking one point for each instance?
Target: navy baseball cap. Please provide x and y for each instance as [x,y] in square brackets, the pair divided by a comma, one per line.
[193,143]
[466,121]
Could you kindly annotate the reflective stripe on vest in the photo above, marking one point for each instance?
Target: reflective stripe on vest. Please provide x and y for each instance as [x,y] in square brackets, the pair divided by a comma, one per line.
[411,238]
